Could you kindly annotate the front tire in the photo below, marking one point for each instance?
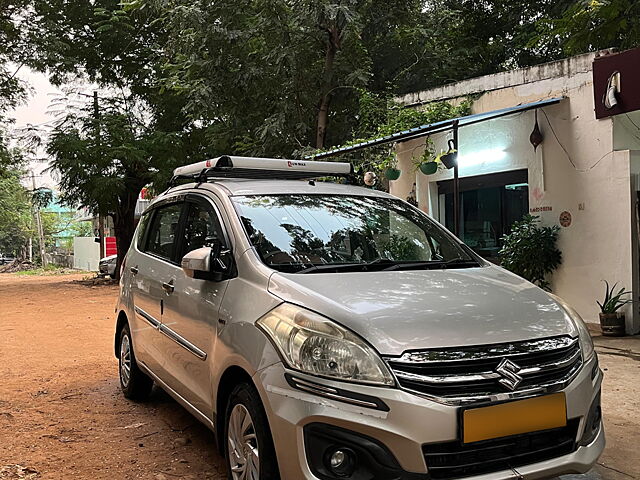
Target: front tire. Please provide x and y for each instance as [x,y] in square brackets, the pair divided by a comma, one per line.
[249,450]
[135,384]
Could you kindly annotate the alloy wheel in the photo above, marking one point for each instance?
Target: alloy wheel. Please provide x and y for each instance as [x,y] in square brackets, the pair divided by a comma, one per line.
[244,460]
[125,360]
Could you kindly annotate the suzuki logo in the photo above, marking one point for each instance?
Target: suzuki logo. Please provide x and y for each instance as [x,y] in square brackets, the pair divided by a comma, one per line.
[509,372]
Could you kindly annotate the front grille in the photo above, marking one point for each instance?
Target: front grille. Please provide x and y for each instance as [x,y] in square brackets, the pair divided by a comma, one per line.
[455,460]
[467,374]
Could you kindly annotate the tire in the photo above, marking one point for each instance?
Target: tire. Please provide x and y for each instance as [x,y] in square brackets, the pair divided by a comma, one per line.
[245,400]
[135,384]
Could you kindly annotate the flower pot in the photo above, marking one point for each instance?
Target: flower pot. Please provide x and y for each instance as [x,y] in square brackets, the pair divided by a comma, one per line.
[612,324]
[450,159]
[429,168]
[392,173]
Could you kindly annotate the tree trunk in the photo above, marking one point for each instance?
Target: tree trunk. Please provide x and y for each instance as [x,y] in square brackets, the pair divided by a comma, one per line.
[333,45]
[124,227]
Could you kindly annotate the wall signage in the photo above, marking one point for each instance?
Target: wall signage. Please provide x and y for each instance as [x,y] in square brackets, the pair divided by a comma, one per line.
[547,208]
[565,219]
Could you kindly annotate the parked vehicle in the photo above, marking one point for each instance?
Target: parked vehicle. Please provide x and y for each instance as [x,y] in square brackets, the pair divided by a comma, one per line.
[326,331]
[107,266]
[6,259]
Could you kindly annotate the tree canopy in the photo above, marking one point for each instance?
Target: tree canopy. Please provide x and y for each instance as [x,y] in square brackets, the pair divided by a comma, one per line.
[190,79]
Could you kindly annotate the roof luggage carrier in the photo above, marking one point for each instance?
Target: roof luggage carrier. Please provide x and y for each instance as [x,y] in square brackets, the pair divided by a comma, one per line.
[259,168]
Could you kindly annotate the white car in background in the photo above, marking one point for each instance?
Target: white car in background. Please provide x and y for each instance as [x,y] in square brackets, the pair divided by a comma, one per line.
[107,266]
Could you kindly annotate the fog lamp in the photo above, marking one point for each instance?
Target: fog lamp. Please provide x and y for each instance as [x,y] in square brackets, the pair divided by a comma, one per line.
[341,461]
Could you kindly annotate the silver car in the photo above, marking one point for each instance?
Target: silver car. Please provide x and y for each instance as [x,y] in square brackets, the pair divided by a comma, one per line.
[326,331]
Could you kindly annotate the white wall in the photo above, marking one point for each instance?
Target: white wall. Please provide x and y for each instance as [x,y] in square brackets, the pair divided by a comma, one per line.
[86,253]
[579,172]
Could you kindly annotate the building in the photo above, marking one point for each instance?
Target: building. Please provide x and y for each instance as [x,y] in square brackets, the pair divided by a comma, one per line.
[583,176]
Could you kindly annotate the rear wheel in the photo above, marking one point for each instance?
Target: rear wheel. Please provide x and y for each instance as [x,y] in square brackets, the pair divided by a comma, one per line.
[135,384]
[249,447]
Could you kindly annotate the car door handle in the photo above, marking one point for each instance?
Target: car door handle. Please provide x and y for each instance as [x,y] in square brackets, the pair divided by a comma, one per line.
[168,287]
[133,270]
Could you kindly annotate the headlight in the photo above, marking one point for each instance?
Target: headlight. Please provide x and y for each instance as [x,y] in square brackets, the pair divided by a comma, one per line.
[314,344]
[586,343]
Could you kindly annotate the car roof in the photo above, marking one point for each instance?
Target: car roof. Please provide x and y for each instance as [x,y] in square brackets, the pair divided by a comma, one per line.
[236,187]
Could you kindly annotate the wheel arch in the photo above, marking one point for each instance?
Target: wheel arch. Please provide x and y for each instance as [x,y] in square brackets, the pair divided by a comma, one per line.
[234,375]
[120,323]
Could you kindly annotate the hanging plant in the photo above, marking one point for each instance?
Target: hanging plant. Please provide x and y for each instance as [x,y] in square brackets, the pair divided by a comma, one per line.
[389,165]
[427,163]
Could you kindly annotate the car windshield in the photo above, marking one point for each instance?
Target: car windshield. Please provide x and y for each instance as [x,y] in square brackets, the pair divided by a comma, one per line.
[315,233]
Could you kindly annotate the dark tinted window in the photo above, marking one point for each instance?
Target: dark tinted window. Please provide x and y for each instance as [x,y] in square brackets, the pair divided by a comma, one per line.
[201,228]
[144,225]
[162,233]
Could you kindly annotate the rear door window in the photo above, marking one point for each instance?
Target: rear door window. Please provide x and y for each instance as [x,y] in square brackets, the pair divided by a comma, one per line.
[163,232]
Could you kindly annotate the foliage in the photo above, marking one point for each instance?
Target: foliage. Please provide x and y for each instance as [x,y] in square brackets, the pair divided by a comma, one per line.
[530,251]
[104,163]
[382,115]
[60,227]
[613,300]
[589,25]
[13,14]
[15,214]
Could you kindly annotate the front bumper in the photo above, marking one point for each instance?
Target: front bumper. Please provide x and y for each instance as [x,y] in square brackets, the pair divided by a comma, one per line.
[410,422]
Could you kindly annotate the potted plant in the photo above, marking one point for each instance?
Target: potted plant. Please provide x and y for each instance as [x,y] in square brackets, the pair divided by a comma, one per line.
[389,165]
[612,322]
[427,163]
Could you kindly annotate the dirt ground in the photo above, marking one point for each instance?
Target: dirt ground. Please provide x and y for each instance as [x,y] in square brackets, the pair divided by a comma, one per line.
[61,411]
[62,415]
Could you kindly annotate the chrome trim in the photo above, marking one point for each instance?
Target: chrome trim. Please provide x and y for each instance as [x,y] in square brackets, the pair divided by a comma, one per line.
[316,386]
[326,392]
[453,379]
[451,357]
[183,342]
[447,379]
[483,352]
[152,321]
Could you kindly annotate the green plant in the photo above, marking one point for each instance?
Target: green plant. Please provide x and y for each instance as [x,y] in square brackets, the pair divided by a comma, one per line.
[388,161]
[428,156]
[612,300]
[530,250]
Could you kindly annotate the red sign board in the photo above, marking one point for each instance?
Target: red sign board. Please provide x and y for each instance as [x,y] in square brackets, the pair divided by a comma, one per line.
[110,246]
[627,66]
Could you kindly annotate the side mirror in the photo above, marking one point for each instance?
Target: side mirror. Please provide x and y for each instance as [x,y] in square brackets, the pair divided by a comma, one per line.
[197,262]
[208,263]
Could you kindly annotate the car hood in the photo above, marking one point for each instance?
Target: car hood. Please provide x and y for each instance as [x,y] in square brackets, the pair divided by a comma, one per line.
[405,310]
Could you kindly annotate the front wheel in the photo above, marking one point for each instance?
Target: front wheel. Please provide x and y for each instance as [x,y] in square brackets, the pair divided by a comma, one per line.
[249,447]
[135,384]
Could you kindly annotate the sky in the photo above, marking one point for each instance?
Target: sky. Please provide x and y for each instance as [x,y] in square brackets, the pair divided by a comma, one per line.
[34,112]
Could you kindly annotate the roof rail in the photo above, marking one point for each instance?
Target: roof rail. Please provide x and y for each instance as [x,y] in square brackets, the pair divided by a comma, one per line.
[259,168]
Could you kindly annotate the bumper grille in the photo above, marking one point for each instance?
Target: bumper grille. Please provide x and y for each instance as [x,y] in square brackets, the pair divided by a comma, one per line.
[485,372]
[455,460]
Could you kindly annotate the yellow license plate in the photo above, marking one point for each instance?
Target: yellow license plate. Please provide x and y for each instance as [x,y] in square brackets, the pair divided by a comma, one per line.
[514,418]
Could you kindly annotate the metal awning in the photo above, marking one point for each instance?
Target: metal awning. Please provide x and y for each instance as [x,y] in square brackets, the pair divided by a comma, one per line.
[437,127]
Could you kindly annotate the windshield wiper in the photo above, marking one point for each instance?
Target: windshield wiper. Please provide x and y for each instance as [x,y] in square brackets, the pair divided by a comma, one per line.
[434,264]
[357,267]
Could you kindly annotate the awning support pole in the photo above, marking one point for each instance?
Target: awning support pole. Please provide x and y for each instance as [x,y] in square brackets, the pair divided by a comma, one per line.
[456,184]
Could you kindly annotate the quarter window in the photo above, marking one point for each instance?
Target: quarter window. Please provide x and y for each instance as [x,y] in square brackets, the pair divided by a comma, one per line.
[163,231]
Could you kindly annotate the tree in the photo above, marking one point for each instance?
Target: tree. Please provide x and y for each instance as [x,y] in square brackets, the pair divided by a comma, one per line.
[589,25]
[16,226]
[104,162]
